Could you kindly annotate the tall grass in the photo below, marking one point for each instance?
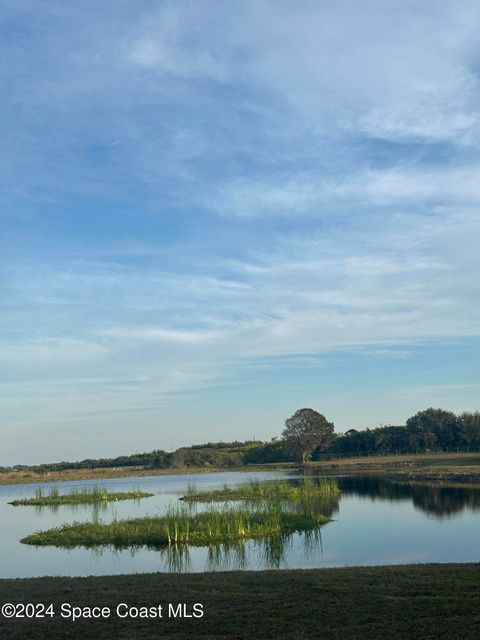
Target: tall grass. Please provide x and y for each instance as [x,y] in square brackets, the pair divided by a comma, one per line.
[178,526]
[266,490]
[93,495]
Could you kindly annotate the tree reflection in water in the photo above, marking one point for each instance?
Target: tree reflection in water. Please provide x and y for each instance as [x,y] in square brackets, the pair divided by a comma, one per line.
[437,501]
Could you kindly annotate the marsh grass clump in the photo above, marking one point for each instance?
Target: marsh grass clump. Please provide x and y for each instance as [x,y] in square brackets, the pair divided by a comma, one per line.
[303,491]
[178,526]
[93,495]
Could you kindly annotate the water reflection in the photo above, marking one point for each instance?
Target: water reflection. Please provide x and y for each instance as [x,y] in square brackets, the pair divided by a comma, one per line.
[275,552]
[95,508]
[177,559]
[239,555]
[437,501]
[325,506]
[225,557]
[377,521]
[270,553]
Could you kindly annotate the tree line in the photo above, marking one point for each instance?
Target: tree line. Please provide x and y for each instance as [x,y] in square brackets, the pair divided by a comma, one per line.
[307,435]
[211,454]
[427,431]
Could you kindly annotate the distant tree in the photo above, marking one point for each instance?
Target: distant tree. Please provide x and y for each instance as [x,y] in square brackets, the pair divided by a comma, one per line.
[433,429]
[160,459]
[469,427]
[306,431]
[270,452]
[390,439]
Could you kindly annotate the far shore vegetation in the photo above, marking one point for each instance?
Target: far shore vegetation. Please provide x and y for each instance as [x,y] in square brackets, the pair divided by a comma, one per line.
[452,468]
[93,495]
[308,440]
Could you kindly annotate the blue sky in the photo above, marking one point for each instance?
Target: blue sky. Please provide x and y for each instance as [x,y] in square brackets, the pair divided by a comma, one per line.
[214,213]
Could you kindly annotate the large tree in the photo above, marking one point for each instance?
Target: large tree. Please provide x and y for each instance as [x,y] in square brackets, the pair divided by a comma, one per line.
[433,429]
[469,427]
[306,431]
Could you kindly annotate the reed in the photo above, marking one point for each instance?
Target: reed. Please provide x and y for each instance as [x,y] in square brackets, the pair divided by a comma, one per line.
[178,526]
[304,490]
[93,495]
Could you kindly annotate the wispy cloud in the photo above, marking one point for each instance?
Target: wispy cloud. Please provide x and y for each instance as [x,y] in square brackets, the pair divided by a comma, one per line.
[199,195]
[316,196]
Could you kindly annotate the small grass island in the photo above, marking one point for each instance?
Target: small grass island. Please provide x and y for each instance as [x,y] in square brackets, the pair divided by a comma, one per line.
[95,495]
[178,525]
[254,489]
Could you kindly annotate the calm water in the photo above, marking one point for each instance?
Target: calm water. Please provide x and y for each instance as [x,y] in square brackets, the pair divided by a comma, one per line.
[375,521]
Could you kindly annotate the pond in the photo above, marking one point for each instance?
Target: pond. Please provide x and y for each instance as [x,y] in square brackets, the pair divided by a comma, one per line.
[375,521]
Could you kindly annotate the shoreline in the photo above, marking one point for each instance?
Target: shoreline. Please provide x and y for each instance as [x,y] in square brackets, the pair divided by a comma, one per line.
[425,601]
[101,473]
[452,469]
[459,469]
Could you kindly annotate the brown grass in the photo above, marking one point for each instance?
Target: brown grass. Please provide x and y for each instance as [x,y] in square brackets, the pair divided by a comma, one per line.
[452,467]
[24,476]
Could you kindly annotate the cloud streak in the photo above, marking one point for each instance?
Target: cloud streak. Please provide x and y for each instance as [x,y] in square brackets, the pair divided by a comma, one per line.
[211,197]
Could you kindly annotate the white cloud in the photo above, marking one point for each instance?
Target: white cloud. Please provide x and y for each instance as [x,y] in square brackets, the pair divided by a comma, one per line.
[197,187]
[391,71]
[172,41]
[376,283]
[361,193]
[161,335]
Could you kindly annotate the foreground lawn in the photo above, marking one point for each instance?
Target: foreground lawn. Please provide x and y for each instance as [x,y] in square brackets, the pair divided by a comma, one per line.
[421,602]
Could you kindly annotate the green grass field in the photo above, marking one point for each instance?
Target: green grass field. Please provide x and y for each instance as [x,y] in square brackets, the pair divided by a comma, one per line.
[419,602]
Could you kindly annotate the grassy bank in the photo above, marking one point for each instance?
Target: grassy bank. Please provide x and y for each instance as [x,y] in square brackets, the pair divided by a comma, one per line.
[252,490]
[380,603]
[458,468]
[30,476]
[179,526]
[94,495]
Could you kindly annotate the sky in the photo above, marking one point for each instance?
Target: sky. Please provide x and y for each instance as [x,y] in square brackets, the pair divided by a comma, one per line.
[214,213]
